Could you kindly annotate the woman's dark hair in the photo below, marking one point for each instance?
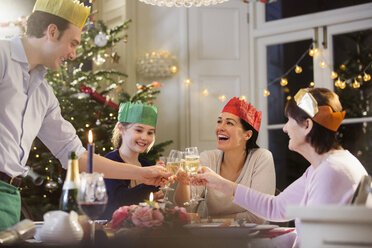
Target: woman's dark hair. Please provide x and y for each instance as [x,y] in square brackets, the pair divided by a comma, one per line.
[321,138]
[38,22]
[251,143]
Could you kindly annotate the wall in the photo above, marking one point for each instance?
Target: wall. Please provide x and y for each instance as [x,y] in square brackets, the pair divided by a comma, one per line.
[164,29]
[10,11]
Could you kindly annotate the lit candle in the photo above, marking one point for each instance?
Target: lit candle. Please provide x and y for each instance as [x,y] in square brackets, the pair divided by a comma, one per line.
[151,197]
[90,152]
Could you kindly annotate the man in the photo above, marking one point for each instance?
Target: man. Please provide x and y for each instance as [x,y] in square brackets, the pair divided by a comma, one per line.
[29,107]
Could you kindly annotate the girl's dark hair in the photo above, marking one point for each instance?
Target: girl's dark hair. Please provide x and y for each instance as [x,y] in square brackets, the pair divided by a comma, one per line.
[38,22]
[251,143]
[321,138]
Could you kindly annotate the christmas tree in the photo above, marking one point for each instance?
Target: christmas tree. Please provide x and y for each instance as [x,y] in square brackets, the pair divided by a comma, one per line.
[76,86]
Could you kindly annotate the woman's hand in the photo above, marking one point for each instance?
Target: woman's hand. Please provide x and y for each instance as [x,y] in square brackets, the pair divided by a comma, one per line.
[182,177]
[154,175]
[209,178]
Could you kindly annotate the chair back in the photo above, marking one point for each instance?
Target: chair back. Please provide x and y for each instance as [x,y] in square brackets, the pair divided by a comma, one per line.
[362,192]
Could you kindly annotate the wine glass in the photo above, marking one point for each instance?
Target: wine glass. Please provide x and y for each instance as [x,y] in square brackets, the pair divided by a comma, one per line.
[92,197]
[173,162]
[192,165]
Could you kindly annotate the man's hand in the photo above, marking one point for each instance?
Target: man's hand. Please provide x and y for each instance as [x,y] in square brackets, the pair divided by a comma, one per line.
[153,175]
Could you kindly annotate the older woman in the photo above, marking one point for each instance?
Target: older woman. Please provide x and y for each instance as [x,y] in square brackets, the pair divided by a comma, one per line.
[237,159]
[314,116]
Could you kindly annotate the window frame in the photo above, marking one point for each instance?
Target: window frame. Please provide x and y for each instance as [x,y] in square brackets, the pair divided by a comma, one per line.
[292,29]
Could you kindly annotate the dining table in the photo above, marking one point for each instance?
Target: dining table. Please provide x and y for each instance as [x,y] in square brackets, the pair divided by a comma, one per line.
[211,235]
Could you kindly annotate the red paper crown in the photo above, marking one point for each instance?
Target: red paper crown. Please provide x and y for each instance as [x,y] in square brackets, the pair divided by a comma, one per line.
[244,111]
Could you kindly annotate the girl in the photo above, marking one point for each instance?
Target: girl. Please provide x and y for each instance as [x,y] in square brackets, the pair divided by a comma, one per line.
[133,134]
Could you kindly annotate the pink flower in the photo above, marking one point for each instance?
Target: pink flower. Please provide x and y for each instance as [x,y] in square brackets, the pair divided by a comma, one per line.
[147,217]
[120,215]
[181,209]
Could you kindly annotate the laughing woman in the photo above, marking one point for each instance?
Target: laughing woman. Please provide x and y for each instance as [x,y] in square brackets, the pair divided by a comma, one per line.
[133,134]
[314,116]
[237,159]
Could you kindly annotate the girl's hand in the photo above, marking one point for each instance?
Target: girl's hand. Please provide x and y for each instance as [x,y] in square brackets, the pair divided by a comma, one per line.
[158,195]
[182,177]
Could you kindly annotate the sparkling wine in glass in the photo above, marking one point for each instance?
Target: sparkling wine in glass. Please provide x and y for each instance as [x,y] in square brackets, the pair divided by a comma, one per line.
[192,165]
[173,163]
[92,197]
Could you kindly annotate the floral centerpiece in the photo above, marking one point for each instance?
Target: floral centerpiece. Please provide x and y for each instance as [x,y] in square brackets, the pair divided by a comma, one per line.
[149,215]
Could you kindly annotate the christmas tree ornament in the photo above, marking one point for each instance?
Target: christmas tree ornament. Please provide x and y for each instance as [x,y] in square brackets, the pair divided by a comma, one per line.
[51,185]
[115,58]
[98,97]
[100,40]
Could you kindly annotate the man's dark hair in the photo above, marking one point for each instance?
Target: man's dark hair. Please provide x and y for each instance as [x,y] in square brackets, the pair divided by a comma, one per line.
[38,22]
[321,138]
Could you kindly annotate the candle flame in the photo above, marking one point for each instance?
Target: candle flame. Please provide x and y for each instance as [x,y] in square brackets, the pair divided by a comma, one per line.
[90,137]
[151,197]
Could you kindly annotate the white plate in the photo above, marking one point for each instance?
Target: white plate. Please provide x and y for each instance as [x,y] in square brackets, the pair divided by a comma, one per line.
[214,229]
[265,227]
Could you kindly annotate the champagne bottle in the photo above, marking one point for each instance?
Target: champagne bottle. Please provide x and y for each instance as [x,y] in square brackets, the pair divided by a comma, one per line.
[69,197]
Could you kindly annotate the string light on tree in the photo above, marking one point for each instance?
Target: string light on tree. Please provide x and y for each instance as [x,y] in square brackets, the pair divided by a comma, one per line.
[356,84]
[334,75]
[243,98]
[366,77]
[187,81]
[283,82]
[313,52]
[298,69]
[338,82]
[222,98]
[205,92]
[322,64]
[266,92]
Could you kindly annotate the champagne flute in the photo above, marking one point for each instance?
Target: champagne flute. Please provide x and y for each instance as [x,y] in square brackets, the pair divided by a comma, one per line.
[92,197]
[173,162]
[192,165]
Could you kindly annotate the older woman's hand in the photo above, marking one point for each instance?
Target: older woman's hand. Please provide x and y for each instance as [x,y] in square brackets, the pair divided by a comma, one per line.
[209,178]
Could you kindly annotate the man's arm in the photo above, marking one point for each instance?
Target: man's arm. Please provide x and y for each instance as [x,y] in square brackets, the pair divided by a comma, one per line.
[150,175]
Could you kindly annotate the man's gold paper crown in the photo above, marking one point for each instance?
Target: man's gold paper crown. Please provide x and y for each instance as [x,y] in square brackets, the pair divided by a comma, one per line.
[71,10]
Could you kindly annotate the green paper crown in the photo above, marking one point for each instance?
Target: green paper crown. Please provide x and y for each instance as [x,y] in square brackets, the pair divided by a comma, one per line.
[138,113]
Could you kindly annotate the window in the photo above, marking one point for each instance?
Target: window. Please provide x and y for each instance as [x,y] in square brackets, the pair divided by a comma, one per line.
[279,43]
[290,8]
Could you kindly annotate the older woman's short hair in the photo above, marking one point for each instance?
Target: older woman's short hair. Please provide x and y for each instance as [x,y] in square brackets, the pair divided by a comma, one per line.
[321,138]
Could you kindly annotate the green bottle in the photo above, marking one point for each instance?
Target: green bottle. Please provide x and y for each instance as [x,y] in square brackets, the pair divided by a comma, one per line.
[69,197]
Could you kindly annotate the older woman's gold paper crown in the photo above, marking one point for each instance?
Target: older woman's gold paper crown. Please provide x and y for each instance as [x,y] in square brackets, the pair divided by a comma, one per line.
[71,10]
